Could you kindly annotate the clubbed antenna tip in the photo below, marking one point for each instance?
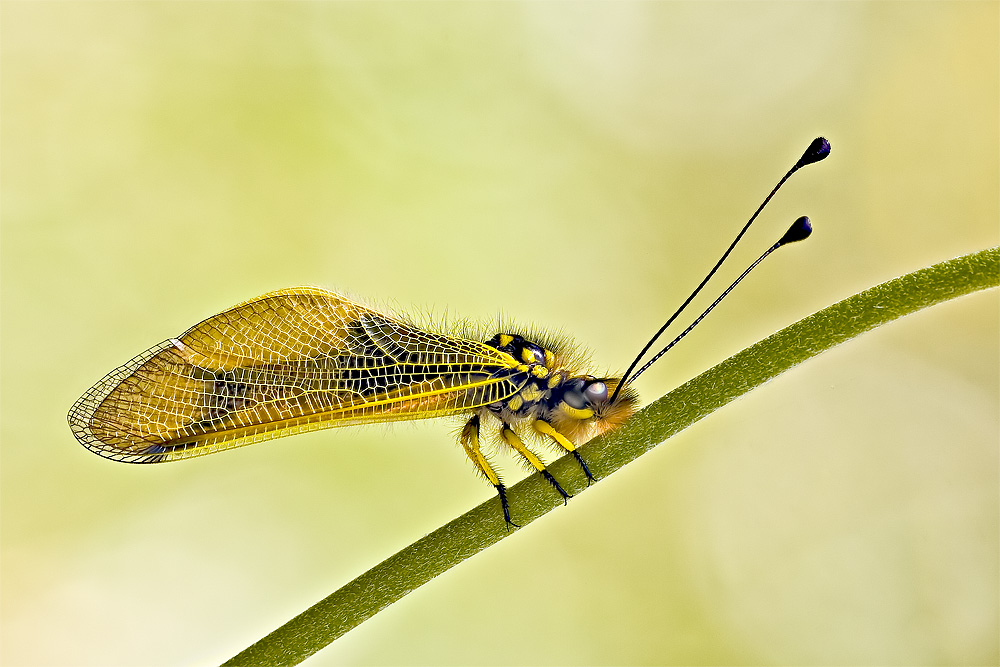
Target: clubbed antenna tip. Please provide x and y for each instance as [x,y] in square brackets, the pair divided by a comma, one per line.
[818,150]
[800,229]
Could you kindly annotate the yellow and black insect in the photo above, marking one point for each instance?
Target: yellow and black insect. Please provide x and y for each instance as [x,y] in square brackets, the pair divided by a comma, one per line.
[306,358]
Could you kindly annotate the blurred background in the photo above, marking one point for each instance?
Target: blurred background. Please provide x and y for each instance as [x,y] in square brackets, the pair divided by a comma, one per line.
[575,166]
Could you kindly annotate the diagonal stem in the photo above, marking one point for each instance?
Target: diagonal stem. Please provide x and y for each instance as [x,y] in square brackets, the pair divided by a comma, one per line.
[483,526]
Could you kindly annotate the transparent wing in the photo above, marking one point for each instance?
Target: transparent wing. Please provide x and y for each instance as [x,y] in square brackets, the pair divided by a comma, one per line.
[290,361]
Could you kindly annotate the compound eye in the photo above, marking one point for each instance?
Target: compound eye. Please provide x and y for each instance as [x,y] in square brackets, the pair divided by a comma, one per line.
[575,399]
[596,392]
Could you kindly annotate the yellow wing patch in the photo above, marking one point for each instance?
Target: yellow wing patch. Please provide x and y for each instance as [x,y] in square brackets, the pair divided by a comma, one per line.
[289,361]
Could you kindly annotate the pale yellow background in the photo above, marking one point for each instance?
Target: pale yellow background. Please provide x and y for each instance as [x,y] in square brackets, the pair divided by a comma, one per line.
[575,166]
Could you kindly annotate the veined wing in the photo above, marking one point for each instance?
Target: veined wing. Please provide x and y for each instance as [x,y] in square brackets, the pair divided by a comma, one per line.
[290,361]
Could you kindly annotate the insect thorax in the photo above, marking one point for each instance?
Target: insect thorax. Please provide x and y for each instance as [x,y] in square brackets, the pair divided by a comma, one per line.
[545,391]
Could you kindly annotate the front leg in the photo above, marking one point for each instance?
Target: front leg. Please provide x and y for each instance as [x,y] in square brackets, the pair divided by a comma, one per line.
[546,428]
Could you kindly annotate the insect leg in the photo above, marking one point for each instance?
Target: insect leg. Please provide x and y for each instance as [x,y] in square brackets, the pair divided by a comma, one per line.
[546,429]
[470,441]
[511,439]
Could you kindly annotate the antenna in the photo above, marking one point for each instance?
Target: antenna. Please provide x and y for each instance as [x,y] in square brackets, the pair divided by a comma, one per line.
[800,229]
[817,150]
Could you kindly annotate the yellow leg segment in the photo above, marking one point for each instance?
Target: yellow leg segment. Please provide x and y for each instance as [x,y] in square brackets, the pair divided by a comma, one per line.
[470,441]
[508,436]
[546,428]
[515,442]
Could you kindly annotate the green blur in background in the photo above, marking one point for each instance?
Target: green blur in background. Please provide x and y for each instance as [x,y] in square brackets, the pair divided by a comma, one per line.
[574,166]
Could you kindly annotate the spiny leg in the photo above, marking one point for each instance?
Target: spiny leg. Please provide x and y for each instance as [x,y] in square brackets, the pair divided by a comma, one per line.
[546,428]
[508,436]
[470,441]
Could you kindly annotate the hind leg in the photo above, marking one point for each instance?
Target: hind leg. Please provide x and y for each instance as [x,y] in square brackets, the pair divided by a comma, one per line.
[470,441]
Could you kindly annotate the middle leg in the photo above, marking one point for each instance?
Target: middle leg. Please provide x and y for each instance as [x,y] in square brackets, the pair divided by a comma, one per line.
[508,436]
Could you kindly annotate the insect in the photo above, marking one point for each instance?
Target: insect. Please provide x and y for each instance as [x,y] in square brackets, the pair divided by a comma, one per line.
[303,359]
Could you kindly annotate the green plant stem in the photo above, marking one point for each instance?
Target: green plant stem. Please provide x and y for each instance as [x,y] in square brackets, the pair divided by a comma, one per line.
[483,526]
